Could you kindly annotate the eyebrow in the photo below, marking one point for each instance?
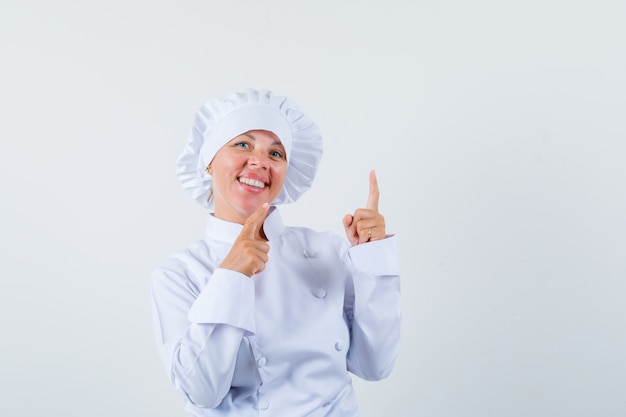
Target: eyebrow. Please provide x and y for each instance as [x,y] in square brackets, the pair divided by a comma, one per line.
[276,142]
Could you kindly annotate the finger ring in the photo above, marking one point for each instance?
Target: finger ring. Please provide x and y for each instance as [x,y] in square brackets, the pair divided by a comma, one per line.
[369,233]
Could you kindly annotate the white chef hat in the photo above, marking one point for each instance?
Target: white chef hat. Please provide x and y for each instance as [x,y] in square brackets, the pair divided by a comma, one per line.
[219,121]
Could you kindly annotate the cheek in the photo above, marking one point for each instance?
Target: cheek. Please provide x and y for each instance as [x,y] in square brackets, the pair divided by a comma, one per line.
[280,173]
[226,166]
[223,174]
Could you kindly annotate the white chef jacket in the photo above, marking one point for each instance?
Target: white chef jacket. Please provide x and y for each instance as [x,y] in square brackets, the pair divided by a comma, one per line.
[282,342]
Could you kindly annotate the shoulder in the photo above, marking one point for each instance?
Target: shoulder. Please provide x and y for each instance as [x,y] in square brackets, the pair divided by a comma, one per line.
[188,265]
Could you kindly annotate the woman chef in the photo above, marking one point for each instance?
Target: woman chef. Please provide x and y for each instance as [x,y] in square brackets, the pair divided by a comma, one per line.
[260,318]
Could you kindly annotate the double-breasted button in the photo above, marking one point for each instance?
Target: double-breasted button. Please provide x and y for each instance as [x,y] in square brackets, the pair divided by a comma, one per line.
[264,405]
[319,292]
[339,346]
[261,362]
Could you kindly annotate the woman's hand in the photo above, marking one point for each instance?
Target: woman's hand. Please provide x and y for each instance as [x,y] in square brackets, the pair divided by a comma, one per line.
[366,224]
[249,252]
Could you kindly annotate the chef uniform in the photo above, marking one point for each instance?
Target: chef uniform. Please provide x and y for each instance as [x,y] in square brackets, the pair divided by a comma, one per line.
[282,342]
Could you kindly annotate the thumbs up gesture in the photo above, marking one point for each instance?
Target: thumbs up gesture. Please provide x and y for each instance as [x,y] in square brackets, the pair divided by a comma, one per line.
[366,224]
[249,252]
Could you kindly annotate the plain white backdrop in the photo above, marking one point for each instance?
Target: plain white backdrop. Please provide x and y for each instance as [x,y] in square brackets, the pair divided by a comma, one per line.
[497,130]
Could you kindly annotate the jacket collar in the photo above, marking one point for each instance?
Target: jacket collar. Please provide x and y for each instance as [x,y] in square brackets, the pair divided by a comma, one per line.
[227,232]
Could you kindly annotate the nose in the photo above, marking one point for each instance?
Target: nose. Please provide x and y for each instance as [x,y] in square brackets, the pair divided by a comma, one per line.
[258,160]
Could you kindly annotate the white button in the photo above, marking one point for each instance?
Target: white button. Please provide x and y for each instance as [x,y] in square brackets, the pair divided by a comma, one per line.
[319,292]
[264,405]
[261,362]
[339,346]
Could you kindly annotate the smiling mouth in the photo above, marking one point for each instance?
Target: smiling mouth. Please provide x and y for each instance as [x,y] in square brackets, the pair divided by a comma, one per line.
[252,183]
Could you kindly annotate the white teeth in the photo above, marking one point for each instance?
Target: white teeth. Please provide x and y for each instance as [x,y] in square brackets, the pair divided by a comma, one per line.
[251,182]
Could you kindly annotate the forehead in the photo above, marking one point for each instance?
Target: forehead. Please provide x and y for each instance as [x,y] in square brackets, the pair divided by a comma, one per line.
[262,135]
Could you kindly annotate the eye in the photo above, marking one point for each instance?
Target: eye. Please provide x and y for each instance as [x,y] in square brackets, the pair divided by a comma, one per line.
[243,145]
[277,154]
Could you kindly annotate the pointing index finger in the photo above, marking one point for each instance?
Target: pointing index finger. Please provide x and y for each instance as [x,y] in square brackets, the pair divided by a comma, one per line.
[372,199]
[253,224]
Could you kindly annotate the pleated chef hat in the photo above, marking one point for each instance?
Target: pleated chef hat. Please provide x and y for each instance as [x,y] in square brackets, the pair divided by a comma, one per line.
[219,121]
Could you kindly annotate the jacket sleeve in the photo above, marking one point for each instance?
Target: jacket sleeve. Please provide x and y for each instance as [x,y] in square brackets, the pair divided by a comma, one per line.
[372,308]
[199,332]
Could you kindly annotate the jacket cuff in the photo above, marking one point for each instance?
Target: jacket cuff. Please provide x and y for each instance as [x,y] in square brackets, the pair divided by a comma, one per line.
[379,257]
[228,298]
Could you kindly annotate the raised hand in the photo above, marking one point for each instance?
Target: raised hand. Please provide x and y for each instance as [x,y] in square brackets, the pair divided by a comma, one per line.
[366,224]
[249,252]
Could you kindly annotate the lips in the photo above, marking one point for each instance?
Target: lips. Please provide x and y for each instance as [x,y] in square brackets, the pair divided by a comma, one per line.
[252,182]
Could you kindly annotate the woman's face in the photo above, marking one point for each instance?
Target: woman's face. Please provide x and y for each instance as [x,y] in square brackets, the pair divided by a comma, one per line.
[247,172]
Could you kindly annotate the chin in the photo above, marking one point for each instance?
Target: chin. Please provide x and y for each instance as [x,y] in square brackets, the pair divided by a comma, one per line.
[250,206]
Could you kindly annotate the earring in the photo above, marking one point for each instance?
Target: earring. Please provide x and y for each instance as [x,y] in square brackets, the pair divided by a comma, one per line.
[209,169]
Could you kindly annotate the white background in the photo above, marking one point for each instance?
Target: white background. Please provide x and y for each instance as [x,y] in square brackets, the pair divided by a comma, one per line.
[497,129]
